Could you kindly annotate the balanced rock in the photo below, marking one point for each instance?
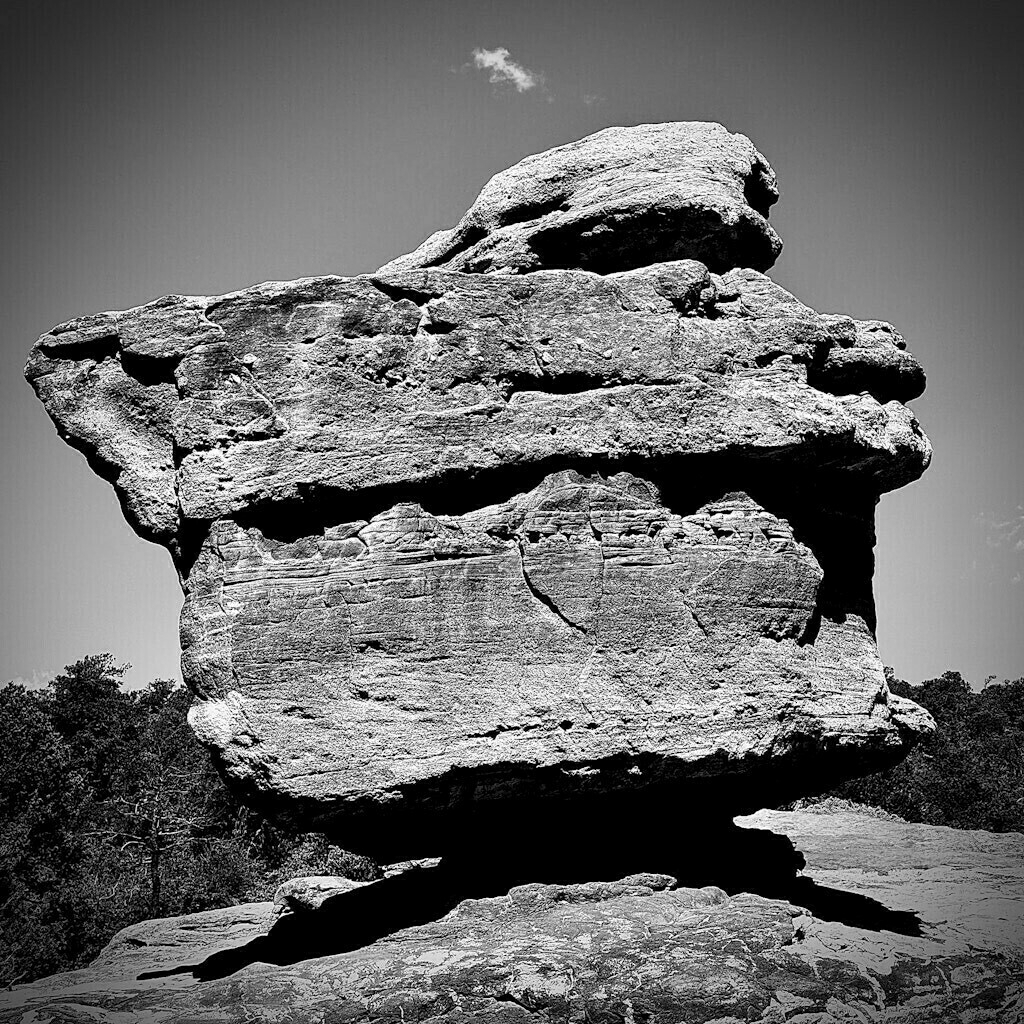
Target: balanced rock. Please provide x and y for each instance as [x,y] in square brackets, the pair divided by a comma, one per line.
[453,542]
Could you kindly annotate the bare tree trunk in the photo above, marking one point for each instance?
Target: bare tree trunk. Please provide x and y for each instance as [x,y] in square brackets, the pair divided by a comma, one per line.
[154,879]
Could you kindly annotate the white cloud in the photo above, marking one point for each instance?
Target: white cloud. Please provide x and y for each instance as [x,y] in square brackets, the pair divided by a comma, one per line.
[1004,537]
[501,69]
[1006,531]
[591,98]
[39,680]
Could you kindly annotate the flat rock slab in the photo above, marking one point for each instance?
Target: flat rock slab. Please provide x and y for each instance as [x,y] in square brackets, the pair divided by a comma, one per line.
[619,199]
[352,389]
[936,937]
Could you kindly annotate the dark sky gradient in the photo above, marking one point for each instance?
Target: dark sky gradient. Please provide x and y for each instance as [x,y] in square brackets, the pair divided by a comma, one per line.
[188,147]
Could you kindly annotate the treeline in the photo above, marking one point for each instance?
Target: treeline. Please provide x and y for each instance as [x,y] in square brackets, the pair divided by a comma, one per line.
[970,774]
[111,813]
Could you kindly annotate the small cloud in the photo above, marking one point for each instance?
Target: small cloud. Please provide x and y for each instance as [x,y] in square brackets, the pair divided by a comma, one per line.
[39,680]
[502,69]
[591,99]
[1006,531]
[1004,537]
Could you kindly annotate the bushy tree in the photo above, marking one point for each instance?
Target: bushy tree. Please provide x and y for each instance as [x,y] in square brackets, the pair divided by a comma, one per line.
[42,851]
[98,721]
[970,774]
[111,812]
[314,854]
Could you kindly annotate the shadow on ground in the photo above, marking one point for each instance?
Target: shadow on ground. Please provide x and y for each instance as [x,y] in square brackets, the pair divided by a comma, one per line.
[735,859]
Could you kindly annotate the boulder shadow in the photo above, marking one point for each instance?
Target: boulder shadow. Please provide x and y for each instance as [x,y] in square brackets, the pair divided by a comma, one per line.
[732,858]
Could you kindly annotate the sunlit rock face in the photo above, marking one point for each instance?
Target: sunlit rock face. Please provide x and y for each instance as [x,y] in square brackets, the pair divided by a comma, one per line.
[482,531]
[623,198]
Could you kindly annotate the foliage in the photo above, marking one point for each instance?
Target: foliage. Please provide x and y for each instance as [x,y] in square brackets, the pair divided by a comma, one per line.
[314,855]
[111,813]
[41,848]
[970,774]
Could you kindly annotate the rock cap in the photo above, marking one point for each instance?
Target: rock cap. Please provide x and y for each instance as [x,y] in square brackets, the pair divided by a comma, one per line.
[619,199]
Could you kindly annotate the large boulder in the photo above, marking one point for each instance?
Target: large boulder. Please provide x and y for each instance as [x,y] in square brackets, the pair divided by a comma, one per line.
[890,923]
[620,199]
[454,542]
[580,637]
[347,391]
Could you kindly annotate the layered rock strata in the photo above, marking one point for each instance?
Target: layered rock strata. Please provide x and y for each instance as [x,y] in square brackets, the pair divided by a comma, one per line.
[454,541]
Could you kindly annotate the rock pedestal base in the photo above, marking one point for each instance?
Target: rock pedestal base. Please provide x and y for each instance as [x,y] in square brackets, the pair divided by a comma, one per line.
[889,922]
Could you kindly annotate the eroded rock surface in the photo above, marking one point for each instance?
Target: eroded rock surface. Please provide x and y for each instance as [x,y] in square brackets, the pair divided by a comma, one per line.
[453,540]
[302,895]
[200,407]
[619,199]
[581,625]
[890,922]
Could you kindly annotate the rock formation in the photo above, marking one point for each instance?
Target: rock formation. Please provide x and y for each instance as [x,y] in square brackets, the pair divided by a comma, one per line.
[571,505]
[620,199]
[897,923]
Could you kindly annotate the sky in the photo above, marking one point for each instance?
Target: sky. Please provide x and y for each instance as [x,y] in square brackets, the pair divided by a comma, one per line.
[197,148]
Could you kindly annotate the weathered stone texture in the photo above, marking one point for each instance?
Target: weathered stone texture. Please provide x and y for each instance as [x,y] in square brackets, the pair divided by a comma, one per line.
[595,521]
[582,628]
[357,384]
[304,895]
[619,199]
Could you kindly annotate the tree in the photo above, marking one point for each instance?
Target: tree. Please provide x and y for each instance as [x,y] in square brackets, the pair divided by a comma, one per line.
[41,847]
[97,719]
[174,804]
[112,812]
[970,774]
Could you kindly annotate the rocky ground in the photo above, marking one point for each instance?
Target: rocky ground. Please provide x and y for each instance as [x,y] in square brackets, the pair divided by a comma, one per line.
[887,921]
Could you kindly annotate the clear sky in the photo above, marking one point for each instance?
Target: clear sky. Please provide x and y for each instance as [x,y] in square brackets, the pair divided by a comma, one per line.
[180,147]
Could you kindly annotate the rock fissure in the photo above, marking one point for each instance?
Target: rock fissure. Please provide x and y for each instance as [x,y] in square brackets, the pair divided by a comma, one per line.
[545,599]
[523,1001]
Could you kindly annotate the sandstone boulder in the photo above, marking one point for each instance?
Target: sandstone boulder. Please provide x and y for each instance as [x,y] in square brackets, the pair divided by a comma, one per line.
[453,542]
[301,895]
[620,199]
[199,407]
[567,641]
